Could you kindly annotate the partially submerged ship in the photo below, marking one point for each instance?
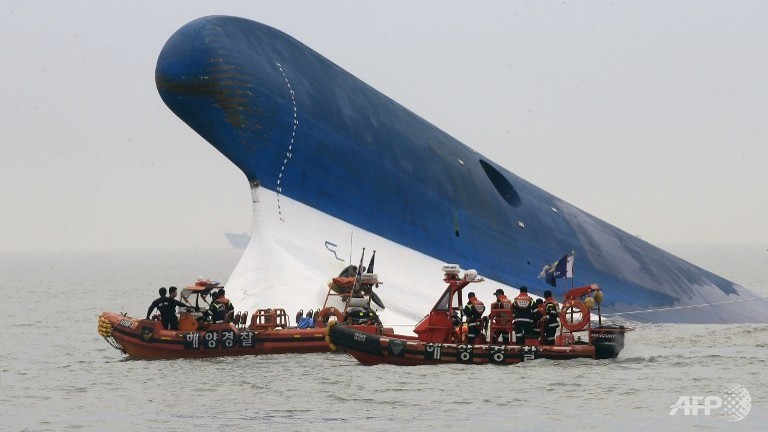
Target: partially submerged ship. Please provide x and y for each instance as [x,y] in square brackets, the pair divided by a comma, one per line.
[441,338]
[332,162]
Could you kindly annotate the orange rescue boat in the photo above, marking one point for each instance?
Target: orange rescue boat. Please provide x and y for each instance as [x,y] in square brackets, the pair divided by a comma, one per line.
[269,330]
[440,337]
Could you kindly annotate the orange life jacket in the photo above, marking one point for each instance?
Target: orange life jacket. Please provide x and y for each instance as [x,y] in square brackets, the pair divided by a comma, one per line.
[523,305]
[474,305]
[523,301]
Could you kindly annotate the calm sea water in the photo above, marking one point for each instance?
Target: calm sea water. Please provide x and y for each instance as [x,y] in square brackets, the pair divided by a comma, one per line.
[56,373]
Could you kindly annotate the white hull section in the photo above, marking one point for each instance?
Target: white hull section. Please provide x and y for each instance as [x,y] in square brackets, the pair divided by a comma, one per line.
[296,250]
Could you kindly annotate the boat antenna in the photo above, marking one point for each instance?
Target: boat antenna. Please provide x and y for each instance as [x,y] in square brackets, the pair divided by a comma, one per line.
[359,274]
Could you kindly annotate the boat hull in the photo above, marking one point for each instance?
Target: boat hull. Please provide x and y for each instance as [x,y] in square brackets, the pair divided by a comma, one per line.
[608,340]
[147,339]
[372,349]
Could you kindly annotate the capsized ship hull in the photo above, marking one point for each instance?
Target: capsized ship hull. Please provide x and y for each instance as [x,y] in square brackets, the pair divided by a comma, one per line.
[335,165]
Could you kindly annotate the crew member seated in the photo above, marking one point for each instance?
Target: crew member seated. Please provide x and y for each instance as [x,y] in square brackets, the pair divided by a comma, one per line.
[523,307]
[217,312]
[228,307]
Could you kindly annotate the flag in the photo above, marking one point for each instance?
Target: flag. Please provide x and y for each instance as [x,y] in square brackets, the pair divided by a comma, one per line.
[370,264]
[551,279]
[544,271]
[562,268]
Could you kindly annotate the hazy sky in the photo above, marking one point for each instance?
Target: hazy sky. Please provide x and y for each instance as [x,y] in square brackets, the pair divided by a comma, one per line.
[650,115]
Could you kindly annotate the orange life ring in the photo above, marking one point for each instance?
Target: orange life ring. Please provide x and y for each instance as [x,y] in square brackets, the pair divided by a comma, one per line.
[571,307]
[321,318]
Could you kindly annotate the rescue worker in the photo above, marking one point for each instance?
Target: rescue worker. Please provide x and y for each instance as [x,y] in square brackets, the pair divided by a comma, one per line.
[552,323]
[229,309]
[501,316]
[473,310]
[216,311]
[174,323]
[167,308]
[523,306]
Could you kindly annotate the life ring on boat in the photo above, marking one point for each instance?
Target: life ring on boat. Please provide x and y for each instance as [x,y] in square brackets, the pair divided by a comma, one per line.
[322,317]
[571,308]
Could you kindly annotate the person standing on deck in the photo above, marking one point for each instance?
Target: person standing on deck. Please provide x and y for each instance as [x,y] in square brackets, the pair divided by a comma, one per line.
[473,310]
[524,307]
[551,312]
[167,308]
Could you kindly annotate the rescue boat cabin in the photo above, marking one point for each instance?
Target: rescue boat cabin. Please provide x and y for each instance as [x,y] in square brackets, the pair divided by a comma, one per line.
[440,325]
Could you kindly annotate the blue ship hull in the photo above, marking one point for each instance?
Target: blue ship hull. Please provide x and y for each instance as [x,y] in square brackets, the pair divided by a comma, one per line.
[302,127]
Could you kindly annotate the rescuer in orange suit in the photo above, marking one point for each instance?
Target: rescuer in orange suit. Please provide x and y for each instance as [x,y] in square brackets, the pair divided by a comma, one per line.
[473,310]
[501,315]
[229,309]
[524,307]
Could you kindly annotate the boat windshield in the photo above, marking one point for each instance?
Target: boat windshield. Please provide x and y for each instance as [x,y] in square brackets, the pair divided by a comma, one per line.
[196,296]
[444,302]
